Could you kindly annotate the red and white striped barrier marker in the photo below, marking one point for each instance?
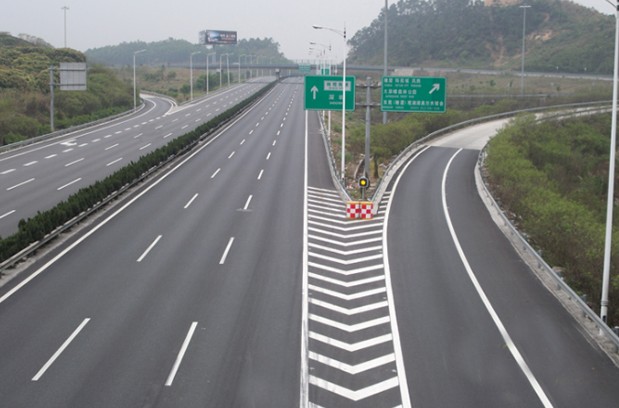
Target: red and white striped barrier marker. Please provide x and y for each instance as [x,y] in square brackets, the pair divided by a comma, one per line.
[359,210]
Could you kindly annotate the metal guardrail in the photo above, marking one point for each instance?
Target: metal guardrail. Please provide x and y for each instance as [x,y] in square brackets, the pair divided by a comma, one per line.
[65,132]
[405,155]
[523,247]
[337,181]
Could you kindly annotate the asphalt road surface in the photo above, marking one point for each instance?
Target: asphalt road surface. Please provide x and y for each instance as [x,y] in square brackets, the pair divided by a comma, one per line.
[37,177]
[478,327]
[186,297]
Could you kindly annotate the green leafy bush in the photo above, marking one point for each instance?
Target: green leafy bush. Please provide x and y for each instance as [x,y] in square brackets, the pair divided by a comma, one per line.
[551,178]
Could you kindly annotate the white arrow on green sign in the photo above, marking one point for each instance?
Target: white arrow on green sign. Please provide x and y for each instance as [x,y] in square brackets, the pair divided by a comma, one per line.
[413,94]
[325,93]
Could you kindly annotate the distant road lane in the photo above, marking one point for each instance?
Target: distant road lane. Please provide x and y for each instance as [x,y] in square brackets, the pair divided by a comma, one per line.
[37,177]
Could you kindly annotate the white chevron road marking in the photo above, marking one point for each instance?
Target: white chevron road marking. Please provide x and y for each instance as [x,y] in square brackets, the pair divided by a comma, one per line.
[346,311]
[347,284]
[342,296]
[346,253]
[353,369]
[344,236]
[346,261]
[346,244]
[351,347]
[355,395]
[347,272]
[350,328]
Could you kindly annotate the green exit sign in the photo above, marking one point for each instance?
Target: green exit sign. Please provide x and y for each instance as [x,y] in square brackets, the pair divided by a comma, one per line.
[326,93]
[413,94]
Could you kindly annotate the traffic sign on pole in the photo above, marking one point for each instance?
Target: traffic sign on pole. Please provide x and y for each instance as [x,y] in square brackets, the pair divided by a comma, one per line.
[413,94]
[325,93]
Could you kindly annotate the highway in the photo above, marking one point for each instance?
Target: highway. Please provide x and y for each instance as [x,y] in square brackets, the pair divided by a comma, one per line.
[186,295]
[233,279]
[37,177]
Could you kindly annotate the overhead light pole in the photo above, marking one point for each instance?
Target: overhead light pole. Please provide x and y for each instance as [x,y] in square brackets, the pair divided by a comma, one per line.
[228,67]
[207,73]
[135,96]
[611,176]
[343,161]
[191,74]
[385,53]
[65,8]
[524,29]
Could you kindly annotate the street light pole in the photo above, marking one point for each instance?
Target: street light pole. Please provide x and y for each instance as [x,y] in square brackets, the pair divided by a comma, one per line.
[524,28]
[220,68]
[228,67]
[65,8]
[135,97]
[385,53]
[611,177]
[191,74]
[239,80]
[207,73]
[343,161]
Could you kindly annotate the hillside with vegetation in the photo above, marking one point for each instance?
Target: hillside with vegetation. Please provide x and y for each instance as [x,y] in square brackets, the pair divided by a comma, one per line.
[177,52]
[25,90]
[560,36]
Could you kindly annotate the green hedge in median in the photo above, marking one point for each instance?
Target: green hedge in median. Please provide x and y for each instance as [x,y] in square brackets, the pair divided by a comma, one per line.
[551,179]
[43,223]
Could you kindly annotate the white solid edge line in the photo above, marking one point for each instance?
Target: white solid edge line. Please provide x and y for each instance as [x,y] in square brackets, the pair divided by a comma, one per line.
[397,345]
[225,254]
[121,209]
[181,354]
[304,364]
[150,247]
[60,350]
[495,317]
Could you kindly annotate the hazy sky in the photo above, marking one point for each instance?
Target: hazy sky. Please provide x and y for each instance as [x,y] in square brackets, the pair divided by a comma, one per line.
[97,23]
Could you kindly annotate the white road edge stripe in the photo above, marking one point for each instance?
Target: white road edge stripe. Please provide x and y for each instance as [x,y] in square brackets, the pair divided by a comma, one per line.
[181,354]
[304,364]
[60,350]
[495,317]
[397,345]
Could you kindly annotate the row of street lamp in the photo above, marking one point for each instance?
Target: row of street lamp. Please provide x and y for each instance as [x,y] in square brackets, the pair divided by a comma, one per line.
[208,55]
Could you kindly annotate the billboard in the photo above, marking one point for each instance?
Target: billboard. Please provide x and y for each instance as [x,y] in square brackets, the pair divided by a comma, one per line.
[72,76]
[217,37]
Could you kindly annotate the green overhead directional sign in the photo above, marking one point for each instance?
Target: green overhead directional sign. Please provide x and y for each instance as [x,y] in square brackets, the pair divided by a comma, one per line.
[325,93]
[413,94]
